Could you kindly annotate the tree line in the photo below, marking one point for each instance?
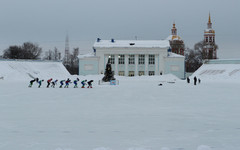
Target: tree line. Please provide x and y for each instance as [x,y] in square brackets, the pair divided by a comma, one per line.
[29,50]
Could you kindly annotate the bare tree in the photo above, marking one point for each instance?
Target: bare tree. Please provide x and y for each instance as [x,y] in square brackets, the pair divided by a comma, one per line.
[27,51]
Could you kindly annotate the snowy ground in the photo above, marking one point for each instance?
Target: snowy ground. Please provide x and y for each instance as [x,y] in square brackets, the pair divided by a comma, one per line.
[135,115]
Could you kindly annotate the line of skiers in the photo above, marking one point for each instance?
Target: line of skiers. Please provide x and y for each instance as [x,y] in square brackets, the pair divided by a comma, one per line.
[195,80]
[53,83]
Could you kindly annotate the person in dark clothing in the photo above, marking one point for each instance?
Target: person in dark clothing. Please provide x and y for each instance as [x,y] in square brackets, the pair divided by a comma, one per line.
[49,82]
[195,80]
[61,82]
[54,83]
[83,83]
[188,80]
[75,83]
[40,83]
[31,82]
[199,81]
[90,84]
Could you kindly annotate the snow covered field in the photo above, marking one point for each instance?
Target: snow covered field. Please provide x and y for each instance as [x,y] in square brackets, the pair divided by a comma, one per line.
[135,115]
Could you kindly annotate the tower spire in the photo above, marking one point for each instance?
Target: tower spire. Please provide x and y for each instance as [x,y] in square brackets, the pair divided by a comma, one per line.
[174,29]
[209,22]
[67,54]
[209,18]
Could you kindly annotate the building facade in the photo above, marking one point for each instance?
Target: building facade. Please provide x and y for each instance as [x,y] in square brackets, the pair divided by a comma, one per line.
[209,48]
[136,58]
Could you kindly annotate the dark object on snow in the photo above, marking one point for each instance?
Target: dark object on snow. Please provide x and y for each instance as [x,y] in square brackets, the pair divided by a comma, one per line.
[195,80]
[199,81]
[188,80]
[90,84]
[31,83]
[108,74]
[160,84]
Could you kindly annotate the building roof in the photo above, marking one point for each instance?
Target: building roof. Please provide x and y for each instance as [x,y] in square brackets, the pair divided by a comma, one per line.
[173,37]
[132,43]
[174,55]
[89,55]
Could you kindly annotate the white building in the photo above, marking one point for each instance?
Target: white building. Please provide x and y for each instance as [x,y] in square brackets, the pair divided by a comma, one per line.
[133,58]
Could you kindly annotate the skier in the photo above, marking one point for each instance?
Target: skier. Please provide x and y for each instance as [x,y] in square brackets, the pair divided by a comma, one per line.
[31,82]
[188,80]
[67,83]
[90,84]
[75,83]
[54,83]
[83,83]
[195,80]
[40,83]
[48,82]
[61,82]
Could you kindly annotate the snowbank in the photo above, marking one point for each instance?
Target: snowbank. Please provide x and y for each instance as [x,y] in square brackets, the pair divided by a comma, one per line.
[25,70]
[218,72]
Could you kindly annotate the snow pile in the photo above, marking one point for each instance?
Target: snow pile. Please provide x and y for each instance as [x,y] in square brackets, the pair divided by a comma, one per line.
[218,72]
[25,70]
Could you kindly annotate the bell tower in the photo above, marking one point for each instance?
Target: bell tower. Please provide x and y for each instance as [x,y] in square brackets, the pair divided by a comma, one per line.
[209,48]
[176,43]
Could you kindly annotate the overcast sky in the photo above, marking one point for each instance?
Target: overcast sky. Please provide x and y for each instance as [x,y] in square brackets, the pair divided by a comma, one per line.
[47,22]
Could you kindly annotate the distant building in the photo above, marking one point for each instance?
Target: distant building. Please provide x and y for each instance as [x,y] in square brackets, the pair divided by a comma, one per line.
[209,46]
[132,58]
[176,43]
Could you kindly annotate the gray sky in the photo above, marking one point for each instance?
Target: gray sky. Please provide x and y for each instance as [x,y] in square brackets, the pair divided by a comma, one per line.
[46,22]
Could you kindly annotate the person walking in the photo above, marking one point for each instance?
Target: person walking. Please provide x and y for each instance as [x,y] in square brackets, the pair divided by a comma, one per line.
[188,80]
[195,80]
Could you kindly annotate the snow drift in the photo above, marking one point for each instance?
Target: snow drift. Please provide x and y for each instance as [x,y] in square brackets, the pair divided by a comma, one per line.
[25,70]
[218,72]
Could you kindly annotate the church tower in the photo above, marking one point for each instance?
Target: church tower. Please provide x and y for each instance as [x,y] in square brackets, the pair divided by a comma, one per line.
[209,48]
[176,43]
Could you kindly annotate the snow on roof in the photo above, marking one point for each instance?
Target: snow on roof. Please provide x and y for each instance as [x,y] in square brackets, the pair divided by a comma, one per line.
[173,37]
[132,43]
[174,55]
[86,55]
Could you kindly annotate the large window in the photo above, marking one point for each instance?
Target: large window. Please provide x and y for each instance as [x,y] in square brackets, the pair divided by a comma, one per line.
[151,73]
[111,59]
[121,73]
[141,73]
[131,59]
[121,59]
[151,59]
[131,73]
[141,59]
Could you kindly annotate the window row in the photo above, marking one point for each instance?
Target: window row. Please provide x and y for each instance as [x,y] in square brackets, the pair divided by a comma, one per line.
[131,59]
[140,73]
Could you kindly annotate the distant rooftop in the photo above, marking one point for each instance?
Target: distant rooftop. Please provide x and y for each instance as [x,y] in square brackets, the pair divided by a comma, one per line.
[132,43]
[222,61]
